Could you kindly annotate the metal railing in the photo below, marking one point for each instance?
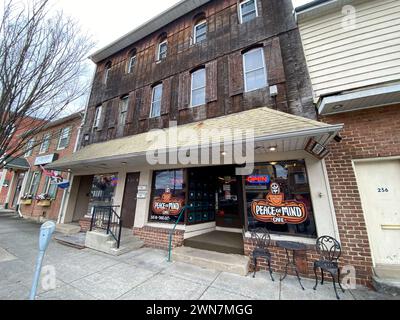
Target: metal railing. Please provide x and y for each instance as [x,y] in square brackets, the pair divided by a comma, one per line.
[171,233]
[106,218]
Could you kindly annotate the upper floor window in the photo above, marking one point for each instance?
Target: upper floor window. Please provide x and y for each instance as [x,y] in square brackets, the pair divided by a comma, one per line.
[198,89]
[162,50]
[44,147]
[64,138]
[131,62]
[255,75]
[29,147]
[107,72]
[248,10]
[200,31]
[123,110]
[156,101]
[97,117]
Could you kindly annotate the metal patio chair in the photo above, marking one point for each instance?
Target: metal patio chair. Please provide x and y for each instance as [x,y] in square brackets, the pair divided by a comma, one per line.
[261,240]
[330,251]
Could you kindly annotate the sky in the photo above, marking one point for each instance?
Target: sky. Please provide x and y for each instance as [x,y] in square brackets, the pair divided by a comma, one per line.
[106,21]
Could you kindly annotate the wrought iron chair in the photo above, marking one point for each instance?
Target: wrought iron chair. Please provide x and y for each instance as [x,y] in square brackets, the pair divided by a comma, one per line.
[330,251]
[261,240]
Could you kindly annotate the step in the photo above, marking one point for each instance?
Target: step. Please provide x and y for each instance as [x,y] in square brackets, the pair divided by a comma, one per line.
[232,263]
[386,286]
[102,242]
[68,229]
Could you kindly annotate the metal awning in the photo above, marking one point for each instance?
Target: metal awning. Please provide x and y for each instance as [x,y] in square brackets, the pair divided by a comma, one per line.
[360,99]
[265,126]
[17,163]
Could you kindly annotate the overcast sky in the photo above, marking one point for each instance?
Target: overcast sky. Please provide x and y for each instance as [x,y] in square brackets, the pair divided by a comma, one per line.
[108,20]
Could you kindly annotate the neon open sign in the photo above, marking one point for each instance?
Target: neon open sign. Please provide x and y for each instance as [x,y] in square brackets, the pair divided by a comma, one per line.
[259,179]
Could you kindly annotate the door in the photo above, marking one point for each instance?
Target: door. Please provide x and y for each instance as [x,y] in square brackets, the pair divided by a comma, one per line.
[379,186]
[130,198]
[18,187]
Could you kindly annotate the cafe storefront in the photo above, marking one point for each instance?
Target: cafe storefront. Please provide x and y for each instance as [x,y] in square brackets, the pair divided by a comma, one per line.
[287,191]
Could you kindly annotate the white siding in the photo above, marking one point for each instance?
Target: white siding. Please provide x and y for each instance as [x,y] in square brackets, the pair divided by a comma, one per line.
[342,59]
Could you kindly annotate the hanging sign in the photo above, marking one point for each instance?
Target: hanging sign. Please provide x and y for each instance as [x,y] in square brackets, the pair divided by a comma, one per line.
[278,211]
[167,204]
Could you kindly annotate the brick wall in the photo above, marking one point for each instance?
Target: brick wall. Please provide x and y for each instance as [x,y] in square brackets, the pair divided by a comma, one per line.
[159,238]
[370,133]
[34,211]
[84,223]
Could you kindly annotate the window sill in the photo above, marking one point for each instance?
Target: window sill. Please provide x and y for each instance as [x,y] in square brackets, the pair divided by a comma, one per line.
[299,239]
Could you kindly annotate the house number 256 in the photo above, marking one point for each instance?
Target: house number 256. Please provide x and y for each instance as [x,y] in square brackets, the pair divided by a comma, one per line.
[383,190]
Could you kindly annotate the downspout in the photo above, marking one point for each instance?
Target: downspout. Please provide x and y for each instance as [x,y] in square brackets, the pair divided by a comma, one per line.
[76,147]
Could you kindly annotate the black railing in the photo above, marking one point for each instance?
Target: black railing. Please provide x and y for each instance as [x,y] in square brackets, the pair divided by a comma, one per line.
[106,218]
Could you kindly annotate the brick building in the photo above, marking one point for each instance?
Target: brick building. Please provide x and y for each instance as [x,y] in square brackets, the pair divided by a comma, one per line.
[203,66]
[352,50]
[29,181]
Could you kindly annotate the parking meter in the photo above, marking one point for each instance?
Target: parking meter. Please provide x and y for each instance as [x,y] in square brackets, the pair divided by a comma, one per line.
[46,231]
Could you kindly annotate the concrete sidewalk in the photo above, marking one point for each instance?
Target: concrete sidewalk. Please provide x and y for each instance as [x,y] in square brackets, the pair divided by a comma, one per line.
[139,275]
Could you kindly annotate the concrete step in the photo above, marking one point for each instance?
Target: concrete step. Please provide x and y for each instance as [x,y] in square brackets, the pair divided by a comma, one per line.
[232,263]
[387,279]
[68,229]
[99,241]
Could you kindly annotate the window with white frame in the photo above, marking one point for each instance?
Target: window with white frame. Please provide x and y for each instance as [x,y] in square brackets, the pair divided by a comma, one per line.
[255,74]
[44,147]
[248,10]
[97,117]
[198,89]
[50,187]
[162,50]
[34,183]
[124,103]
[132,63]
[200,31]
[29,147]
[156,101]
[64,138]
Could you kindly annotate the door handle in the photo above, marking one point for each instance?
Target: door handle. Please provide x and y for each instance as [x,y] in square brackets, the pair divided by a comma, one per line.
[390,226]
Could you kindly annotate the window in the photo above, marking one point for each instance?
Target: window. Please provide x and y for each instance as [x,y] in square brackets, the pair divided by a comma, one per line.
[64,138]
[131,62]
[255,76]
[248,10]
[168,196]
[198,90]
[34,183]
[97,117]
[50,187]
[200,31]
[29,147]
[162,50]
[44,147]
[107,72]
[292,192]
[156,101]
[123,111]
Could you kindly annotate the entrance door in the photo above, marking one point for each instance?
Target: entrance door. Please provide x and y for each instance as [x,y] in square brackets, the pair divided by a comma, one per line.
[130,198]
[18,187]
[379,186]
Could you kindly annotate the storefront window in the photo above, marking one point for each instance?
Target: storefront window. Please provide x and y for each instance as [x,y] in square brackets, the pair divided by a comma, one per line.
[168,196]
[278,198]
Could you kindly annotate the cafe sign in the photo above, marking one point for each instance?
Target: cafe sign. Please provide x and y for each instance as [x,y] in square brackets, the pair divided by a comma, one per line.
[167,204]
[274,209]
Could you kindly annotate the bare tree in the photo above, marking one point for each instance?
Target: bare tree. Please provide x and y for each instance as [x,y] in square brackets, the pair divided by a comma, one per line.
[42,71]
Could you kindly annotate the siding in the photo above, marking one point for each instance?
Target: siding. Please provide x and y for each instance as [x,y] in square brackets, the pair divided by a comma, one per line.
[343,59]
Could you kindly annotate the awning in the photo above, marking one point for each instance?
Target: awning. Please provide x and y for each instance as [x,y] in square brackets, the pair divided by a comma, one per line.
[269,127]
[17,164]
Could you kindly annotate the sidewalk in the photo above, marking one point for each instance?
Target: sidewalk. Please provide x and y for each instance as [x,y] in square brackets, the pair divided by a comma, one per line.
[140,275]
